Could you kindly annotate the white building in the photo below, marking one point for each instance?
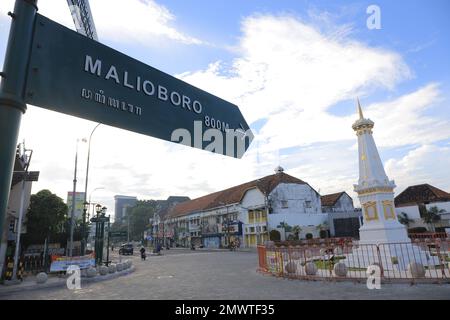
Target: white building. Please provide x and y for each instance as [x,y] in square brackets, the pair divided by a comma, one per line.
[414,201]
[337,202]
[248,212]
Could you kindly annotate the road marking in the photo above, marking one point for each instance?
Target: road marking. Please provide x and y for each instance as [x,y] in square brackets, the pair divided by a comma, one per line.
[164,277]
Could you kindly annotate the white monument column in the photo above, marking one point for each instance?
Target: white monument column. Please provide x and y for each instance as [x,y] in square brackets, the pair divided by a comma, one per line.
[375,191]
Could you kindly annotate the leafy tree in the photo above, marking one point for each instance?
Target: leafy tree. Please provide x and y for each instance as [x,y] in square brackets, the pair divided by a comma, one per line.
[139,216]
[404,219]
[296,230]
[285,226]
[274,235]
[46,216]
[432,215]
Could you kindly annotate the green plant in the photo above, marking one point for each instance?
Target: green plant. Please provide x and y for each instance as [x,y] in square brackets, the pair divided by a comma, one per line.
[432,215]
[274,235]
[404,219]
[296,230]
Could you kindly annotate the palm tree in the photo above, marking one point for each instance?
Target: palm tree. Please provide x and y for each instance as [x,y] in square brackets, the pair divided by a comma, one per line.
[432,215]
[285,226]
[296,230]
[404,219]
[322,227]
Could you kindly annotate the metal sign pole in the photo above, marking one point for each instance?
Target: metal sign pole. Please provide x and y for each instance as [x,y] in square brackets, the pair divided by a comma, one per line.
[12,93]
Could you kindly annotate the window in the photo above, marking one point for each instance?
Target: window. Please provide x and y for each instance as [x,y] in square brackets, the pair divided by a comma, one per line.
[284,203]
[252,229]
[308,204]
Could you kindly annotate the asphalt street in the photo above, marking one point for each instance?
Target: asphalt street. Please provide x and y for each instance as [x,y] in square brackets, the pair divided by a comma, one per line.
[186,274]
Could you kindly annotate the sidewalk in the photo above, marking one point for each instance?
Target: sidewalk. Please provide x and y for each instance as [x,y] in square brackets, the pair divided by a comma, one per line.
[213,249]
[29,282]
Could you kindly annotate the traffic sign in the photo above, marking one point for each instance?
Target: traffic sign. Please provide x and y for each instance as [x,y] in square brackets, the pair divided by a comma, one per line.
[75,75]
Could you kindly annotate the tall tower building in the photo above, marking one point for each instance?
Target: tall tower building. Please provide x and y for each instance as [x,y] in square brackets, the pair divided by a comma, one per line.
[375,191]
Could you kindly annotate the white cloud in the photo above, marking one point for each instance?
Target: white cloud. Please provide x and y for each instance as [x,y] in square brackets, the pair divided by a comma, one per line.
[425,164]
[287,72]
[404,120]
[291,73]
[133,21]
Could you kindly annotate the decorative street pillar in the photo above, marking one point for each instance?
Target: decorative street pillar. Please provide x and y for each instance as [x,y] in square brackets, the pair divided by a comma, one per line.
[12,93]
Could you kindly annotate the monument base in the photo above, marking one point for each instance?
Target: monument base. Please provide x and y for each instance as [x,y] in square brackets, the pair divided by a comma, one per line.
[383,233]
[391,256]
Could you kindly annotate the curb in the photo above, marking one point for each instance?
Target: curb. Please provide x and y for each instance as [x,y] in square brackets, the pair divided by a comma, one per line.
[62,282]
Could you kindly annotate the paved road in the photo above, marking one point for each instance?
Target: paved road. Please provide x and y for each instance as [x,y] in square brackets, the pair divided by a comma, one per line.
[223,275]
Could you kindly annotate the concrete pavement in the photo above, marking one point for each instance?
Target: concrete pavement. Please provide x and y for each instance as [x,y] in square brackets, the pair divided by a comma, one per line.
[186,275]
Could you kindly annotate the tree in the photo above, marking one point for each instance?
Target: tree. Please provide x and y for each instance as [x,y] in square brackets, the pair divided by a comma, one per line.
[140,215]
[46,216]
[296,230]
[431,216]
[274,235]
[286,227]
[404,219]
[323,230]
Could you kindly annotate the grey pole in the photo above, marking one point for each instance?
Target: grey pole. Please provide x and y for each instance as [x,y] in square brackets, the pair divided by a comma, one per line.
[72,214]
[12,93]
[84,238]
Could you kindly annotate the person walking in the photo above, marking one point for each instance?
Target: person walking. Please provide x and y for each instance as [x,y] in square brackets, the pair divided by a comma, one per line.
[143,256]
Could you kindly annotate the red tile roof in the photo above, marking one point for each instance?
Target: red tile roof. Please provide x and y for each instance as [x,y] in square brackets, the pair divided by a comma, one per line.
[420,194]
[232,195]
[329,200]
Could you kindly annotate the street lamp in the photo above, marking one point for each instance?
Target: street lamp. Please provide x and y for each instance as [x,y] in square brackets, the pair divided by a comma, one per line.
[84,233]
[86,183]
[72,214]
[98,209]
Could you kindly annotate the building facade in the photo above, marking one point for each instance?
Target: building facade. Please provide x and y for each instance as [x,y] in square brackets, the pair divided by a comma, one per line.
[121,203]
[416,200]
[246,213]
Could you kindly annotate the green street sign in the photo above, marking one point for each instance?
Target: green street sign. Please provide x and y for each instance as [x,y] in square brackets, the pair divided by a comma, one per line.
[75,75]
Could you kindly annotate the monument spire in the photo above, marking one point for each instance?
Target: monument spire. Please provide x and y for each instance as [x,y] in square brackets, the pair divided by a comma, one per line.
[375,190]
[360,110]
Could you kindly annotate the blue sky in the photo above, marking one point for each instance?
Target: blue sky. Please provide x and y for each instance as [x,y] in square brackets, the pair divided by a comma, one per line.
[293,67]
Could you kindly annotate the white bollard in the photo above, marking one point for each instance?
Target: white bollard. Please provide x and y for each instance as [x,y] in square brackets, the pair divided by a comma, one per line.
[103,270]
[311,269]
[112,268]
[91,272]
[41,277]
[340,269]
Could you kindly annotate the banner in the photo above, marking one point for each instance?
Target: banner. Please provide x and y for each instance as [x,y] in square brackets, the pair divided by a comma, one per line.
[60,263]
[274,261]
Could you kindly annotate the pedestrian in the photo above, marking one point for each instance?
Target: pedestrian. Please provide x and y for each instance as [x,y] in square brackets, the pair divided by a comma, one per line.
[112,247]
[143,256]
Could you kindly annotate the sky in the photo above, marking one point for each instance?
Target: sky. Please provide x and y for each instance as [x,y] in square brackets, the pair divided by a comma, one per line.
[294,68]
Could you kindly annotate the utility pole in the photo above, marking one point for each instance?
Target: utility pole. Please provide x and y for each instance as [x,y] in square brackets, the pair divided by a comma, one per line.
[12,93]
[72,214]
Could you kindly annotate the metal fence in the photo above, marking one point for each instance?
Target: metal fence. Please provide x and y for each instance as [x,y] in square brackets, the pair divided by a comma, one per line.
[428,235]
[418,261]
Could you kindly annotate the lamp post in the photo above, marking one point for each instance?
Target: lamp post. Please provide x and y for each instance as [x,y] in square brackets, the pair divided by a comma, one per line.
[98,209]
[84,229]
[72,214]
[85,188]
